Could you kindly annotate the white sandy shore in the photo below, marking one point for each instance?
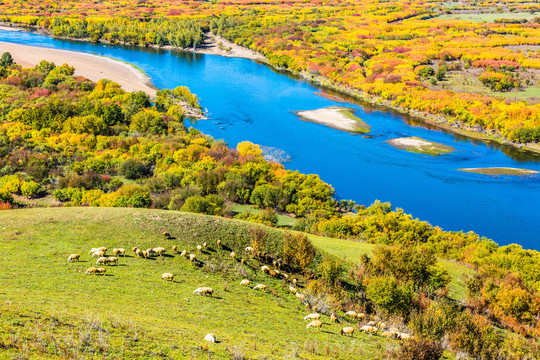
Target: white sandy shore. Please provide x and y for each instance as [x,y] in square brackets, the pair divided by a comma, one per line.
[332,117]
[216,45]
[409,142]
[90,66]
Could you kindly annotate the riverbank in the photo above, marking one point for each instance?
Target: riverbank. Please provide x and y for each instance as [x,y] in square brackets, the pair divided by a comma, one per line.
[90,66]
[215,45]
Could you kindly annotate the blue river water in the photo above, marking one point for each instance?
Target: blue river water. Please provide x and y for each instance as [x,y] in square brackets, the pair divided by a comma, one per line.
[251,101]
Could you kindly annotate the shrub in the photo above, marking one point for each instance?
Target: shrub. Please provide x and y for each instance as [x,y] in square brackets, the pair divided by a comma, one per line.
[437,320]
[420,350]
[6,60]
[391,297]
[426,71]
[134,169]
[30,189]
[210,204]
[298,251]
[258,237]
[330,270]
[5,196]
[11,183]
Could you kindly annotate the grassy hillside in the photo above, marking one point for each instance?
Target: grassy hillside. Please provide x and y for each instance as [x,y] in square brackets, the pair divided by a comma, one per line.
[51,309]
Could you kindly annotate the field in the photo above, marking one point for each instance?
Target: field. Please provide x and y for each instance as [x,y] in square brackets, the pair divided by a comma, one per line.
[51,309]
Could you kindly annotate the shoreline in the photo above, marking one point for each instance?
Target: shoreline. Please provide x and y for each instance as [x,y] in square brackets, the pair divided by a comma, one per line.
[211,48]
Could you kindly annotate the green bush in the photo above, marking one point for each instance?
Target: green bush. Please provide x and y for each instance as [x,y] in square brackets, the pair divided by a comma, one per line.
[30,189]
[330,270]
[134,169]
[210,204]
[5,196]
[391,297]
[298,251]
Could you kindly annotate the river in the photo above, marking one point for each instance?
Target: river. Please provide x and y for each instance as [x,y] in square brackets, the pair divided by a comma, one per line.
[251,101]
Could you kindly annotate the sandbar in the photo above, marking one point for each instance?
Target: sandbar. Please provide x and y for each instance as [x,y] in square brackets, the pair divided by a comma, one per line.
[336,117]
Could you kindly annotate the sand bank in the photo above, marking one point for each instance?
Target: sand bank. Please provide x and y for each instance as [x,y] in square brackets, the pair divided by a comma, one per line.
[335,117]
[421,146]
[500,171]
[90,66]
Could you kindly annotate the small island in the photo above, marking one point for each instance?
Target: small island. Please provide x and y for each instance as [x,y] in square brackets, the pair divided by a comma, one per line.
[496,171]
[420,146]
[340,118]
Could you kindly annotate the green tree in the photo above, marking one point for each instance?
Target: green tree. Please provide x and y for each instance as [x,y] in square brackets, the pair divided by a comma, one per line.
[390,296]
[298,251]
[6,60]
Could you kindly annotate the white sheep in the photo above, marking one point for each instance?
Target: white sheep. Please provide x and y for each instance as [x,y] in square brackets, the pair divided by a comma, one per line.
[159,251]
[98,253]
[174,248]
[233,255]
[313,316]
[260,287]
[404,336]
[265,268]
[101,271]
[74,257]
[167,276]
[245,282]
[371,323]
[369,329]
[92,251]
[112,260]
[183,253]
[138,252]
[300,296]
[199,248]
[210,337]
[103,248]
[204,291]
[102,260]
[192,257]
[119,251]
[333,317]
[293,290]
[218,243]
[249,249]
[91,270]
[351,314]
[317,324]
[166,235]
[204,245]
[347,330]
[134,249]
[361,316]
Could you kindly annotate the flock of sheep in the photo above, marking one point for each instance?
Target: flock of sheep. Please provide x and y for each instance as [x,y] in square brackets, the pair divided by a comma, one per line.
[370,327]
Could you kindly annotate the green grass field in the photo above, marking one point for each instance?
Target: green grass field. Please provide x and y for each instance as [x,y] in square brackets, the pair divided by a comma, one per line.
[488,17]
[51,310]
[283,221]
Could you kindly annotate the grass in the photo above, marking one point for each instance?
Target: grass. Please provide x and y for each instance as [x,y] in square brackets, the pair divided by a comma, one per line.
[361,126]
[500,171]
[487,17]
[283,221]
[421,146]
[51,309]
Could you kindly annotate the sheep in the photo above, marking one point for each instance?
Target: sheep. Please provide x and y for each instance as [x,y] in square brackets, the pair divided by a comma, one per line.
[150,252]
[361,316]
[314,308]
[293,290]
[272,272]
[199,248]
[166,235]
[313,316]
[183,253]
[387,334]
[245,282]
[74,257]
[333,317]
[233,255]
[218,243]
[242,261]
[248,249]
[102,260]
[371,323]
[403,336]
[285,276]
[381,325]
[117,252]
[294,281]
[316,324]
[98,254]
[265,268]
[204,245]
[351,314]
[167,276]
[174,248]
[300,296]
[192,257]
[138,252]
[347,330]
[369,329]
[101,271]
[159,251]
[93,250]
[103,248]
[91,270]
[122,251]
[145,254]
[260,287]
[112,260]
[204,291]
[210,337]
[134,249]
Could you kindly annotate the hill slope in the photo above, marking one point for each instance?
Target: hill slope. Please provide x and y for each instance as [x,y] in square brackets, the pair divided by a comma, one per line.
[51,309]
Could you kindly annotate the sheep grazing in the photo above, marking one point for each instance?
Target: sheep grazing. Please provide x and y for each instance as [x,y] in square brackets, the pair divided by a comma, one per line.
[102,260]
[387,334]
[192,257]
[174,248]
[167,276]
[93,250]
[103,248]
[285,276]
[166,235]
[293,290]
[351,314]
[134,249]
[403,336]
[242,261]
[245,282]
[233,255]
[260,287]
[159,251]
[199,248]
[294,281]
[119,251]
[265,268]
[101,271]
[333,317]
[300,296]
[272,272]
[313,316]
[361,316]
[204,245]
[206,291]
[347,331]
[144,254]
[91,270]
[248,249]
[210,337]
[150,252]
[184,252]
[74,257]
[317,324]
[98,254]
[218,243]
[112,260]
[371,323]
[138,252]
[369,329]
[381,325]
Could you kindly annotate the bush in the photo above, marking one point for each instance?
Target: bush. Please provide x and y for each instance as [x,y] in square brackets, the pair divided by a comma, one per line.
[437,320]
[330,270]
[210,204]
[426,71]
[133,169]
[420,350]
[298,251]
[6,60]
[5,196]
[391,297]
[30,189]
[11,183]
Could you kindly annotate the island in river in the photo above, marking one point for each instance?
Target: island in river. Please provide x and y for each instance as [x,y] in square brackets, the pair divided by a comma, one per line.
[336,117]
[420,146]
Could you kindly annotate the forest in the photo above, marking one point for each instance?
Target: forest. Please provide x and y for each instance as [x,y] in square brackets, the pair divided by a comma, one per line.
[66,141]
[419,57]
